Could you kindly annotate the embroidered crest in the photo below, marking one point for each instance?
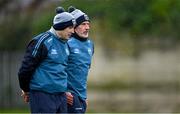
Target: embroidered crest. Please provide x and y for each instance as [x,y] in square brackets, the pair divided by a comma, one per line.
[76,51]
[54,51]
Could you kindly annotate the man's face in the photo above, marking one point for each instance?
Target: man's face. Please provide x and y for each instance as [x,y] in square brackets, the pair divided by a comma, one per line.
[66,33]
[83,29]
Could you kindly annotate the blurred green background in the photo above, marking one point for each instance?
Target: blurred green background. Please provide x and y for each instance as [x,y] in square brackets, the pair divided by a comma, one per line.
[136,64]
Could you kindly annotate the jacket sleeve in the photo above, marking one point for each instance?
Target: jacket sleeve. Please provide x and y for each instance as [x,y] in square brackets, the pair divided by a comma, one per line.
[34,55]
[93,49]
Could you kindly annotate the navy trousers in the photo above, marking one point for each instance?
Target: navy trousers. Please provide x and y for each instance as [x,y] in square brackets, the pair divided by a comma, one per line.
[42,102]
[79,105]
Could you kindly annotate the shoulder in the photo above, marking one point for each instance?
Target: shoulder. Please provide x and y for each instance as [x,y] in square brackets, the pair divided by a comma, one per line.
[90,42]
[45,38]
[72,39]
[42,36]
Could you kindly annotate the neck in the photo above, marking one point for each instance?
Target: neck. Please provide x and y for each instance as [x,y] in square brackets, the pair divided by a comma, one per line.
[53,31]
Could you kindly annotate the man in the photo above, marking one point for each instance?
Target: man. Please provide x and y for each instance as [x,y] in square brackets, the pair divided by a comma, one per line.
[81,52]
[42,76]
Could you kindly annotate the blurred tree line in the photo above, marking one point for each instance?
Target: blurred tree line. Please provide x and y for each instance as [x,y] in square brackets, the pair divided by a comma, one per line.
[129,21]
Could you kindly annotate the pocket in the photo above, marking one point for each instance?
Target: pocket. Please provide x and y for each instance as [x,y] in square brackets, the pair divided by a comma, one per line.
[84,105]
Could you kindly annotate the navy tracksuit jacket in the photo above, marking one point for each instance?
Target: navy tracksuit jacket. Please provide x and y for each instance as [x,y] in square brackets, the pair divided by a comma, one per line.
[81,52]
[43,67]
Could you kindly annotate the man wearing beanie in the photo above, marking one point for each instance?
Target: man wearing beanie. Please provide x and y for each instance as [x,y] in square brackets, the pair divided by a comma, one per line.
[42,75]
[81,52]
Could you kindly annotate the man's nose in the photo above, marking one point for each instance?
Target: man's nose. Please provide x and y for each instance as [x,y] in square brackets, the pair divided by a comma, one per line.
[87,27]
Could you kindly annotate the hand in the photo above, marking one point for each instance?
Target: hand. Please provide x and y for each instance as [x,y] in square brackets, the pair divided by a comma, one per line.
[25,96]
[86,102]
[69,98]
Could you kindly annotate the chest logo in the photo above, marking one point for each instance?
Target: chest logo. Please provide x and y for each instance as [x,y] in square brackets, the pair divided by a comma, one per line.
[54,51]
[89,51]
[76,51]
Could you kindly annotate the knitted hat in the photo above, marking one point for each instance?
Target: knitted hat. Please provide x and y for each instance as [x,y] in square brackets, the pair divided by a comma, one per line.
[78,15]
[62,19]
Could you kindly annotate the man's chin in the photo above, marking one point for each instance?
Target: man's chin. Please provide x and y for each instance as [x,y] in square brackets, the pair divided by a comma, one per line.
[85,36]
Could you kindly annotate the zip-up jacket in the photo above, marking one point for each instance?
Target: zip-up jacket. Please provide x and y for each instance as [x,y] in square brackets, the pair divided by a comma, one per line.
[44,63]
[79,62]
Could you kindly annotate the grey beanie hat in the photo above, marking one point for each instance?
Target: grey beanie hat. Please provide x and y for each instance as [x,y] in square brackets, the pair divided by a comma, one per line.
[78,15]
[63,19]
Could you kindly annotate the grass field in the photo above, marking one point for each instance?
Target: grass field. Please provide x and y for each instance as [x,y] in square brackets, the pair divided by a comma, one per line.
[15,111]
